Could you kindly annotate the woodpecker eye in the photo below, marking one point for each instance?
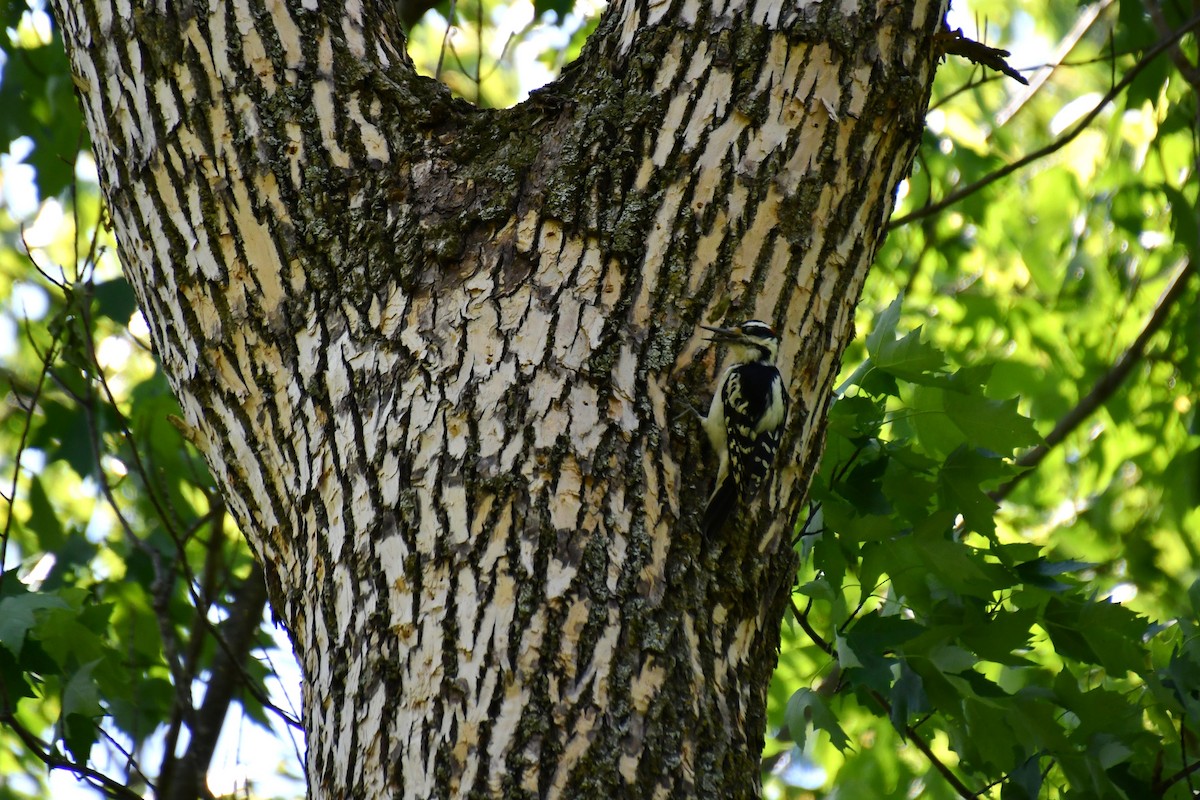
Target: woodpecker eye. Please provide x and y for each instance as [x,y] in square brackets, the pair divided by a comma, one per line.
[759,330]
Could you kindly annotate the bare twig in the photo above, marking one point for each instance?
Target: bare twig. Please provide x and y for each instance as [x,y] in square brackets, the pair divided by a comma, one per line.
[1185,66]
[955,43]
[1087,17]
[1107,384]
[1167,783]
[52,761]
[1059,143]
[239,629]
[446,38]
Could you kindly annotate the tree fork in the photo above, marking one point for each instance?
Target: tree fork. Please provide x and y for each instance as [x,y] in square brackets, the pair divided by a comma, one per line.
[435,357]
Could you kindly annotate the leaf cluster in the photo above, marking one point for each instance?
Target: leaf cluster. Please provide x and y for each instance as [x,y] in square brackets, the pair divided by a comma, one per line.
[1001,556]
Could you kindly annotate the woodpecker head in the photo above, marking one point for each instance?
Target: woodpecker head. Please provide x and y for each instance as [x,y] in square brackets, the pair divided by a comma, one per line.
[750,341]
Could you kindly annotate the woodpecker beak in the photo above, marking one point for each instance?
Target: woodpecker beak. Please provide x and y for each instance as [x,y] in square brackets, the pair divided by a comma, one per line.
[723,335]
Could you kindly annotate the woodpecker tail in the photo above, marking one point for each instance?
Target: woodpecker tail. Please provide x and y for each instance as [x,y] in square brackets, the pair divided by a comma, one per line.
[719,506]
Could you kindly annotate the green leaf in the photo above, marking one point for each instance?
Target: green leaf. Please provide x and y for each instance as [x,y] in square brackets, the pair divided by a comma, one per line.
[44,521]
[67,635]
[992,738]
[65,435]
[12,677]
[1024,782]
[80,695]
[80,710]
[961,568]
[115,300]
[1183,221]
[559,7]
[856,417]
[907,697]
[961,483]
[869,646]
[38,96]
[991,424]
[1100,633]
[1041,573]
[884,329]
[996,638]
[805,708]
[17,617]
[910,358]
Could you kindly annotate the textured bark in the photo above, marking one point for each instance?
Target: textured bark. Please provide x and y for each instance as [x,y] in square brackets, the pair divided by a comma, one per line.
[438,357]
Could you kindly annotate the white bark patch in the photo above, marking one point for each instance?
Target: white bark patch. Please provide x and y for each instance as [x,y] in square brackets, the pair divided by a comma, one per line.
[288,33]
[629,14]
[661,233]
[710,108]
[766,12]
[493,433]
[669,68]
[253,52]
[458,435]
[658,10]
[712,167]
[373,141]
[569,348]
[529,344]
[552,272]
[586,427]
[324,106]
[579,743]
[652,573]
[564,508]
[260,252]
[373,738]
[542,392]
[527,230]
[360,504]
[330,491]
[666,133]
[392,553]
[513,309]
[352,24]
[568,658]
[454,501]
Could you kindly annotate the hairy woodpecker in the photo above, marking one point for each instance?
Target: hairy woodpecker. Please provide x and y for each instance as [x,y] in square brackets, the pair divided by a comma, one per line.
[745,419]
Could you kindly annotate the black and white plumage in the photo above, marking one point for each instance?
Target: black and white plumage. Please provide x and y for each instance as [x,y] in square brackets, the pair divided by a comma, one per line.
[745,419]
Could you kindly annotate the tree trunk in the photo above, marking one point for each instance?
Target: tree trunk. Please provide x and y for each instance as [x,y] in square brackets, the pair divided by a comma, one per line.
[439,358]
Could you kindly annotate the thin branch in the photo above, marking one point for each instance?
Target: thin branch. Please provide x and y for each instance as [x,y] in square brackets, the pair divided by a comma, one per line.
[955,43]
[1107,384]
[131,762]
[806,626]
[36,746]
[246,615]
[1182,63]
[437,73]
[1183,756]
[1087,18]
[1059,143]
[21,444]
[909,731]
[1186,772]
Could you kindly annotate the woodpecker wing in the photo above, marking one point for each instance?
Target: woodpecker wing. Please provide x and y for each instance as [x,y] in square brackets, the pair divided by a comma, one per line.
[755,410]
